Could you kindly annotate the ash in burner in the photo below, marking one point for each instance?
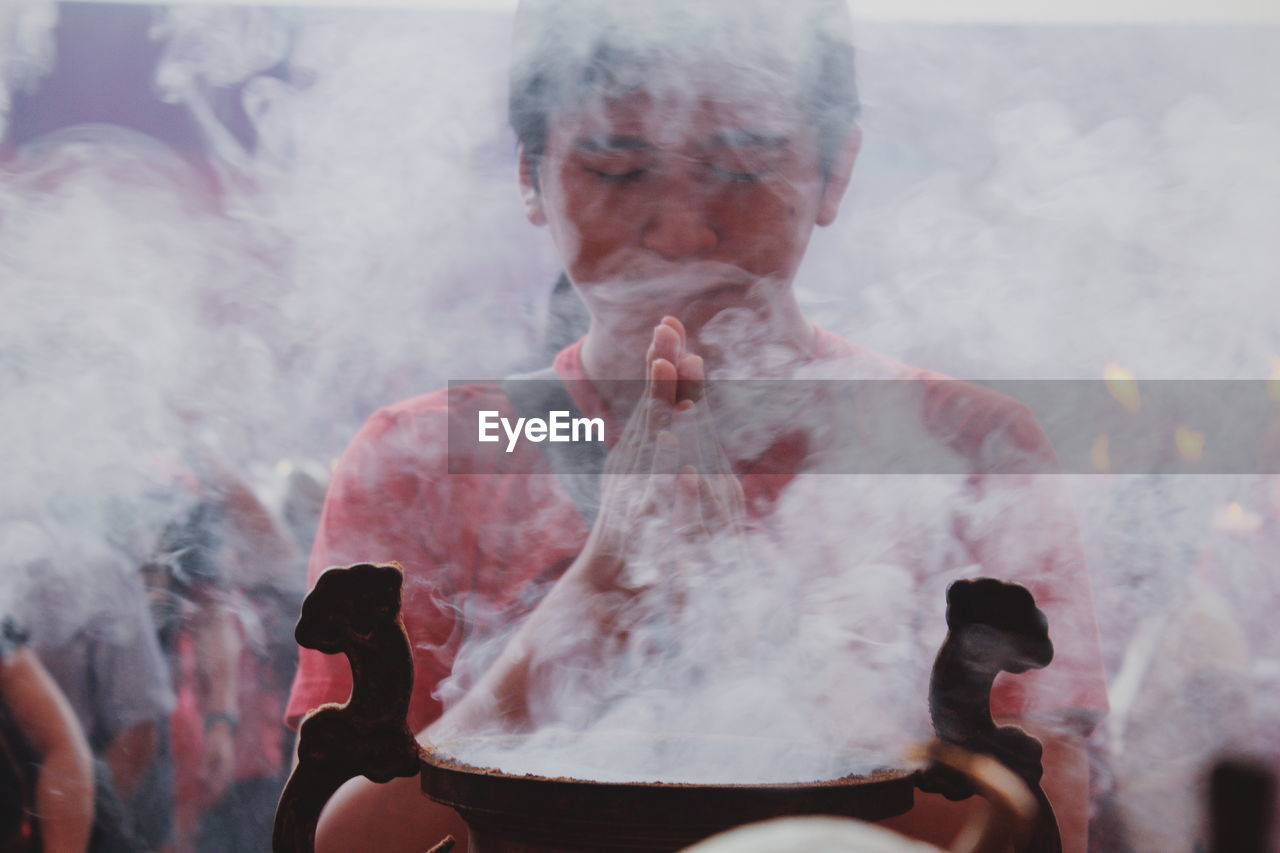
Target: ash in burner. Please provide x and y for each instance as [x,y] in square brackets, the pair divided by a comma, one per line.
[637,757]
[763,676]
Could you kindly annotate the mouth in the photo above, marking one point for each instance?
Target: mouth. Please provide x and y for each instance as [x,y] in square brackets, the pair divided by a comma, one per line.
[689,279]
[724,290]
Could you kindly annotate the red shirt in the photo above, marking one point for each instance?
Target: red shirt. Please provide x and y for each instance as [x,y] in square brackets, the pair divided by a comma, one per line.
[478,545]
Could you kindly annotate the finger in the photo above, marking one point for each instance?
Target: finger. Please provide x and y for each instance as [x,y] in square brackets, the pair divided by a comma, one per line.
[666,343]
[692,375]
[662,383]
[633,453]
[678,326]
[660,360]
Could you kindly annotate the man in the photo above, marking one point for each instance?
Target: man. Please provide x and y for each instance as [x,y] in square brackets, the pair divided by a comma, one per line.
[680,156]
[223,752]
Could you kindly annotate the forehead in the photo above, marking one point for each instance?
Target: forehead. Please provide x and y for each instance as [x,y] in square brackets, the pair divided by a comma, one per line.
[703,106]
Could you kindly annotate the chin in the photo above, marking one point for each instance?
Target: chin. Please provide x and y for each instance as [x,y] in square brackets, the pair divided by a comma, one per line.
[733,299]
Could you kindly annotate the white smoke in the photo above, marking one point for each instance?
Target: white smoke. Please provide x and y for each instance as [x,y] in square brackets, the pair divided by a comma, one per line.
[1030,202]
[26,49]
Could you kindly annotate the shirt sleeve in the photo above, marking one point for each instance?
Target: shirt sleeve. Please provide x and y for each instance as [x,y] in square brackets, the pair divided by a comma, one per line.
[12,636]
[379,508]
[1018,524]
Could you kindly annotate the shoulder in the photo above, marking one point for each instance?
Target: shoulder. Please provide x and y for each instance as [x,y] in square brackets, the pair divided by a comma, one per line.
[996,432]
[418,428]
[406,451]
[429,411]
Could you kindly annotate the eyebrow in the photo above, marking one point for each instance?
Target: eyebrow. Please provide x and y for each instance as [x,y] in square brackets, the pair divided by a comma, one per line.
[724,139]
[749,139]
[613,143]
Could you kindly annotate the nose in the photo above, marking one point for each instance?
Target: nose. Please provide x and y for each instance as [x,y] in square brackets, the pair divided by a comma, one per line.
[677,227]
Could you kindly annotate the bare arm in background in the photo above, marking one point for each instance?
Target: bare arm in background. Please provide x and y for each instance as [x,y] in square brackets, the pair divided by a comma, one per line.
[64,794]
[219,644]
[130,755]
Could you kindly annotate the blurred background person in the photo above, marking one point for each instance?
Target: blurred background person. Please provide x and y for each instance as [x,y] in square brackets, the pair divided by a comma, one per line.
[1197,680]
[219,619]
[90,628]
[46,770]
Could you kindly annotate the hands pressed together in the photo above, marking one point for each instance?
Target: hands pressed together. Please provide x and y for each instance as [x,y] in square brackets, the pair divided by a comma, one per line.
[671,509]
[668,491]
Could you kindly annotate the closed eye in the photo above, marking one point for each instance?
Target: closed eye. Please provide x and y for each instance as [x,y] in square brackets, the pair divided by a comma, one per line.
[740,176]
[616,177]
[746,157]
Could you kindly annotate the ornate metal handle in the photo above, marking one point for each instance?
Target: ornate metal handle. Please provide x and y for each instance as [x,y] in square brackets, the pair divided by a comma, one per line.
[355,611]
[993,627]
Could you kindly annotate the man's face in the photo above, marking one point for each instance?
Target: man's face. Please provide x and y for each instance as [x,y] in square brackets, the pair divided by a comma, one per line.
[681,205]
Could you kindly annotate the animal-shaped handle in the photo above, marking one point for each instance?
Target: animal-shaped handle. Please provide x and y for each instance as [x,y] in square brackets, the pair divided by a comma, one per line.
[993,627]
[354,611]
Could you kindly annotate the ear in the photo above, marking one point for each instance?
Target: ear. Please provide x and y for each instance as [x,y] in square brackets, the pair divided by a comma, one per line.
[529,191]
[838,178]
